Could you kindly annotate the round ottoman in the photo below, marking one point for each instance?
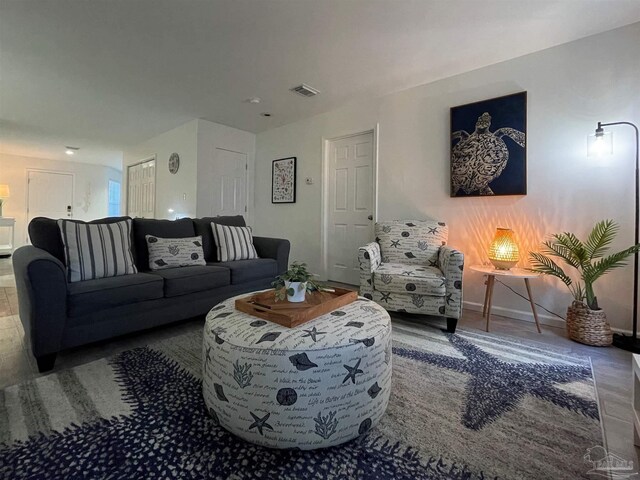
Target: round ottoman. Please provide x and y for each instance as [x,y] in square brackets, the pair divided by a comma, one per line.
[313,386]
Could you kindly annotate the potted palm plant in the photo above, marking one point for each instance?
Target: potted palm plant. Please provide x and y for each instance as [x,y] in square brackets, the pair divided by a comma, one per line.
[586,321]
[294,283]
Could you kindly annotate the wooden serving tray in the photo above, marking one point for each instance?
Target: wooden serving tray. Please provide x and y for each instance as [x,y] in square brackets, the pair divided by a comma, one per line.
[289,314]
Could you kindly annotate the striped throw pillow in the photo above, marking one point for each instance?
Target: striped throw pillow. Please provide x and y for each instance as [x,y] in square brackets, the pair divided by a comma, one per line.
[233,243]
[96,250]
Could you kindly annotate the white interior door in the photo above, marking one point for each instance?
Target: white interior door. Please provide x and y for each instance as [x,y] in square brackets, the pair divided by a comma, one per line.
[133,187]
[351,195]
[141,189]
[148,188]
[229,183]
[50,195]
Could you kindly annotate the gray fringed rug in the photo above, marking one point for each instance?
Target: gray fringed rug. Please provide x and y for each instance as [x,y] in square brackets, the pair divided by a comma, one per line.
[465,406]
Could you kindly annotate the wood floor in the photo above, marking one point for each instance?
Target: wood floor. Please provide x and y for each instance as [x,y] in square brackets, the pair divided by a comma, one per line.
[612,367]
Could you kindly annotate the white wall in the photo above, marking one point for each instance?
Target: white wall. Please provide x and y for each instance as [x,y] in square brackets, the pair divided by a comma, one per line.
[569,87]
[186,192]
[211,136]
[91,195]
[176,192]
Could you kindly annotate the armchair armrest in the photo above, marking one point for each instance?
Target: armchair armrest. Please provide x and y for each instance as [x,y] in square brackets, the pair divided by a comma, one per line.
[451,262]
[276,248]
[41,281]
[369,259]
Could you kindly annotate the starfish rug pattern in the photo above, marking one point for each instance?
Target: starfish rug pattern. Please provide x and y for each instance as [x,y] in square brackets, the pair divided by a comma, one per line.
[496,387]
[170,435]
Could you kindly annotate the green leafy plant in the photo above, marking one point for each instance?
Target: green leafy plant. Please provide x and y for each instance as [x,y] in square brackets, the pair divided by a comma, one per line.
[587,257]
[297,273]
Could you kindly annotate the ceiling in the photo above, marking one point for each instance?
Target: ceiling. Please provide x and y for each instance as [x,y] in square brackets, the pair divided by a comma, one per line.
[103,75]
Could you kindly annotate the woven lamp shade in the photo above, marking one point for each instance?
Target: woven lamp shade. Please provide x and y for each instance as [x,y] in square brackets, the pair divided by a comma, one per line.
[503,251]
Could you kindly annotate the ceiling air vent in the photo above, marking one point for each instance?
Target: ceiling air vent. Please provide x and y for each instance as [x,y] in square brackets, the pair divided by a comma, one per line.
[305,90]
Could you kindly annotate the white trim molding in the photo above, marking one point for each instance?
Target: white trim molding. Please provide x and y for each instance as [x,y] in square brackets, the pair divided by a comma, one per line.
[527,316]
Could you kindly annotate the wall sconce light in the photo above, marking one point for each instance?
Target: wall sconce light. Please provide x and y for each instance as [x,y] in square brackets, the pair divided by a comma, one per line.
[503,251]
[598,144]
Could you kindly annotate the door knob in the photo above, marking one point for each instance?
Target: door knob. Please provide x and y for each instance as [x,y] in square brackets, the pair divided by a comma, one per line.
[370,217]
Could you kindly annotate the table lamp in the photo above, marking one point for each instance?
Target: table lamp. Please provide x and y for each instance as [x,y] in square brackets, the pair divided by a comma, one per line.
[4,193]
[503,251]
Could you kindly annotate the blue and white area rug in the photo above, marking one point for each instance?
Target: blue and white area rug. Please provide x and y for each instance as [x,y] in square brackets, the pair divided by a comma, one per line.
[467,406]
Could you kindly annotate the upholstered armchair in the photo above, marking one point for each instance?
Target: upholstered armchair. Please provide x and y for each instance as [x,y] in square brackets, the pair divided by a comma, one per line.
[410,268]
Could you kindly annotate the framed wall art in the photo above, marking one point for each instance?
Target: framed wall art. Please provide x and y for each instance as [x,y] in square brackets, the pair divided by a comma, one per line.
[283,180]
[489,148]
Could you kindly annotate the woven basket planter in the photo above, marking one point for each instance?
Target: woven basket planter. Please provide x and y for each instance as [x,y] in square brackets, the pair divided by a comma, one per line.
[588,326]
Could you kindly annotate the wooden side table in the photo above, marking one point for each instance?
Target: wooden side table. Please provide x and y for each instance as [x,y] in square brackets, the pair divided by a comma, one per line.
[492,273]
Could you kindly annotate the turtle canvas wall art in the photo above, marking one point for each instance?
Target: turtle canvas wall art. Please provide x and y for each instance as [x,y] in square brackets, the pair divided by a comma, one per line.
[488,147]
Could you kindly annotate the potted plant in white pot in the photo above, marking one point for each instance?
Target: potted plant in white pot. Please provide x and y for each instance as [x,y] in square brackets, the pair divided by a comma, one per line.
[586,321]
[294,283]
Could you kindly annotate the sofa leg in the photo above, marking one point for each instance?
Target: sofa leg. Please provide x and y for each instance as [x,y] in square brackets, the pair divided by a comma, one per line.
[451,325]
[46,362]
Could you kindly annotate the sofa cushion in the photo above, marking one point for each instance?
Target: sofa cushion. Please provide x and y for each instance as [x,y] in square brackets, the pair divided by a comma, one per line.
[95,251]
[203,227]
[93,295]
[407,278]
[184,280]
[45,234]
[233,243]
[142,227]
[411,241]
[243,271]
[174,252]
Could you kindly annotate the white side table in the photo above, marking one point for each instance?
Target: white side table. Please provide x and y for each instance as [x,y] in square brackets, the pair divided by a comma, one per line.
[492,273]
[7,248]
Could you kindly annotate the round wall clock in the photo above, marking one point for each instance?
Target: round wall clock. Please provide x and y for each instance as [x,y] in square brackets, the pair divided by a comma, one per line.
[174,163]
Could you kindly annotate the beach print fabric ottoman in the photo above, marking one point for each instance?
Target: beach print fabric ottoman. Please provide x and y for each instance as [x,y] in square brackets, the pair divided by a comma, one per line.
[313,386]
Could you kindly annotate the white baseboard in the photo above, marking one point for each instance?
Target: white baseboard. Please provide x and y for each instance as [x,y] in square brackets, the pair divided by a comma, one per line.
[621,330]
[528,316]
[517,314]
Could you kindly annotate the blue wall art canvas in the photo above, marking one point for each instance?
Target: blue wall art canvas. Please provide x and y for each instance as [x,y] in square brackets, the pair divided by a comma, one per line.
[488,147]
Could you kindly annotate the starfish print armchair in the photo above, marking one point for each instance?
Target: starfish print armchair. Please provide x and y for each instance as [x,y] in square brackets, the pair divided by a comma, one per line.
[410,268]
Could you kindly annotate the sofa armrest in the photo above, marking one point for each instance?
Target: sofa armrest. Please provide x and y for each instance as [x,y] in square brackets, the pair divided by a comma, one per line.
[41,284]
[451,262]
[277,248]
[369,259]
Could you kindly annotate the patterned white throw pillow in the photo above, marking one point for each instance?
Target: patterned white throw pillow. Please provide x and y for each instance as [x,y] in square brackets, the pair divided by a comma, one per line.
[96,250]
[233,243]
[174,252]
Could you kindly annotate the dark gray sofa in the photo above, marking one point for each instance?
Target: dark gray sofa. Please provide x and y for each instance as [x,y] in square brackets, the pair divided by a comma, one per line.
[58,315]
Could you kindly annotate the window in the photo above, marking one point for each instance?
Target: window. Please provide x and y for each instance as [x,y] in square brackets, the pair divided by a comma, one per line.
[114,198]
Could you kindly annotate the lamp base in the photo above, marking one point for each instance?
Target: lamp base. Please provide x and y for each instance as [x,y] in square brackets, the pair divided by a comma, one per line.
[626,342]
[503,264]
